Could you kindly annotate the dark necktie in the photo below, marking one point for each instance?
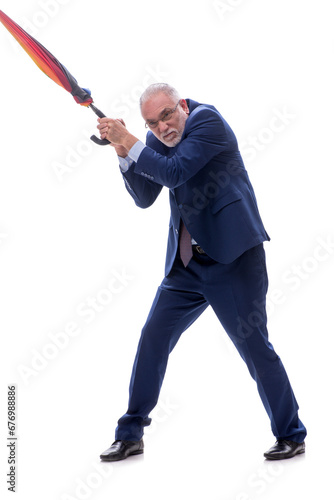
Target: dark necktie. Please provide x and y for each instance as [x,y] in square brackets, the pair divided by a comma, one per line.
[186,250]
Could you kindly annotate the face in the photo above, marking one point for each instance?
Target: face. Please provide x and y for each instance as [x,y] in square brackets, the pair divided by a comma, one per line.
[169,132]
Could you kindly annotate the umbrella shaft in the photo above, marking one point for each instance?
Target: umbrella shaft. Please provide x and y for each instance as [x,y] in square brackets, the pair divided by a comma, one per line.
[97,111]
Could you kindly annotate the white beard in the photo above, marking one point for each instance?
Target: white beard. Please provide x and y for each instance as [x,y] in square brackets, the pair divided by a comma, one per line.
[173,142]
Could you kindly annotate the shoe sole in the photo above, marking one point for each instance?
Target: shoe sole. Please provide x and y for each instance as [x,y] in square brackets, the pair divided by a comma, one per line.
[115,459]
[269,457]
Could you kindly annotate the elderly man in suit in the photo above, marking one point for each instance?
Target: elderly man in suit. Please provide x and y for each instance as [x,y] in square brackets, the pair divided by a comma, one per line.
[215,257]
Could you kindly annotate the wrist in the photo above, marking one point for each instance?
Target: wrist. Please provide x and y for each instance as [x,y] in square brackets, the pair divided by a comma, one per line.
[121,151]
[129,141]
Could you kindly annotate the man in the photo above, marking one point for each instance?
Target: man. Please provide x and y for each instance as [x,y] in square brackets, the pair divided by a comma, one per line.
[215,257]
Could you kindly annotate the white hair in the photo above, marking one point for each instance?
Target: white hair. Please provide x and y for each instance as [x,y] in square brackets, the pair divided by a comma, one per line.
[156,88]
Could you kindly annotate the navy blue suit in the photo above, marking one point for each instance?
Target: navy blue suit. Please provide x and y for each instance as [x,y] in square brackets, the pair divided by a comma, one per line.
[211,193]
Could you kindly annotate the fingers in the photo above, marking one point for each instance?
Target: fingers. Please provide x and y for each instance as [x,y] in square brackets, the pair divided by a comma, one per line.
[104,125]
[108,125]
[105,122]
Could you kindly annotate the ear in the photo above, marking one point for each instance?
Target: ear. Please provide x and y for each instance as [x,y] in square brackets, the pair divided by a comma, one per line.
[184,106]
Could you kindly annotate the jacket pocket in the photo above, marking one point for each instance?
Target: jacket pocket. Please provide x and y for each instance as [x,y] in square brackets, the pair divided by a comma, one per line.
[225,200]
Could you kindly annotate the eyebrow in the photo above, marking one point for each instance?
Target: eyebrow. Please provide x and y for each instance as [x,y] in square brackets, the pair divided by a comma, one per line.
[160,115]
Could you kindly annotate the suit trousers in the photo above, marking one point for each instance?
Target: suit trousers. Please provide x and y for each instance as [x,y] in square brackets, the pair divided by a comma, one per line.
[237,294]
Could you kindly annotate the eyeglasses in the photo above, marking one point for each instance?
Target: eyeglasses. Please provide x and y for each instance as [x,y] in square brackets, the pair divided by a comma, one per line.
[165,117]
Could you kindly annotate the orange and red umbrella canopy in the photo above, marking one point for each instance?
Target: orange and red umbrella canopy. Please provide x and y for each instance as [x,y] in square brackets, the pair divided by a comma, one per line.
[51,66]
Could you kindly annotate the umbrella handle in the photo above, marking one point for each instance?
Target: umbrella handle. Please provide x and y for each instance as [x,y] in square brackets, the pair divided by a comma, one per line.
[100,142]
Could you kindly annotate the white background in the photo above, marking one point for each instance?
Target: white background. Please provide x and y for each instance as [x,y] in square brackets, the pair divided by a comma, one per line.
[68,228]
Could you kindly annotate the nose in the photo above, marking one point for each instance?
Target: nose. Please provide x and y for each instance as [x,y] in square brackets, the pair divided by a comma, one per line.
[163,126]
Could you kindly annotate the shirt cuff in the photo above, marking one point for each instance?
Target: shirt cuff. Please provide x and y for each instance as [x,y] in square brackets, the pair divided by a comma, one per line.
[136,150]
[125,163]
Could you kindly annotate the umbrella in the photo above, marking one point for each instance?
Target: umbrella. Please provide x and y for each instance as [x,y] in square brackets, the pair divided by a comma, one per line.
[52,68]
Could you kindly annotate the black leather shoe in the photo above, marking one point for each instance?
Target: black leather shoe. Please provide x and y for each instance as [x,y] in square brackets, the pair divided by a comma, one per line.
[120,450]
[284,449]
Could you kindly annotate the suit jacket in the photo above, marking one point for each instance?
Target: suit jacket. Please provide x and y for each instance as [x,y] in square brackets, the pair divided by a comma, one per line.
[208,186]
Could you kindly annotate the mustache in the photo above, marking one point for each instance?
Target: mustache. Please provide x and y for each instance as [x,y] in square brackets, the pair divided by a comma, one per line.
[169,132]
